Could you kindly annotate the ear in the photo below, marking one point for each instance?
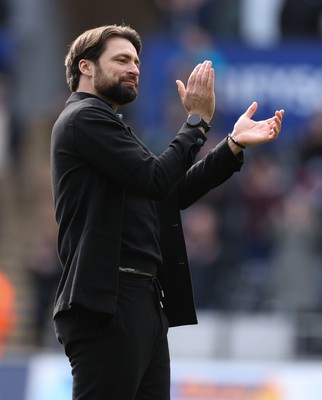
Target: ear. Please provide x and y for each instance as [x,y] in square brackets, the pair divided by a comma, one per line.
[85,67]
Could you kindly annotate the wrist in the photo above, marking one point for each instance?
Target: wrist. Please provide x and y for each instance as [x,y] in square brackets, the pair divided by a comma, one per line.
[196,121]
[236,142]
[233,147]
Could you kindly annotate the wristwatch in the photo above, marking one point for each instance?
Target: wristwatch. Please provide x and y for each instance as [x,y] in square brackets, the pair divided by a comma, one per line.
[195,120]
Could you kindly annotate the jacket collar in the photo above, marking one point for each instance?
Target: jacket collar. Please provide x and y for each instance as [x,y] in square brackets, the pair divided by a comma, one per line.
[77,96]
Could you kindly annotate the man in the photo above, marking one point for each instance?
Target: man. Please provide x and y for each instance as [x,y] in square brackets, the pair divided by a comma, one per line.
[125,272]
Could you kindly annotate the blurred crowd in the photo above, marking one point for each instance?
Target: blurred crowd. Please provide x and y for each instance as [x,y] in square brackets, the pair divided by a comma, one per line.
[254,243]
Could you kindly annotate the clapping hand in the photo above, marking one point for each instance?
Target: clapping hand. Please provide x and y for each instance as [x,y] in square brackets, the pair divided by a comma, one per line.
[248,132]
[199,95]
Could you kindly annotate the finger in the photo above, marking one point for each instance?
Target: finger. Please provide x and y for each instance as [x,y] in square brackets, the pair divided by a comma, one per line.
[251,110]
[278,121]
[192,77]
[279,116]
[181,88]
[206,73]
[200,73]
[211,80]
[274,129]
[276,125]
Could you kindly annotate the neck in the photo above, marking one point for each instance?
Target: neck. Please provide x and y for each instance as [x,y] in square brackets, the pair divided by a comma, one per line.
[105,99]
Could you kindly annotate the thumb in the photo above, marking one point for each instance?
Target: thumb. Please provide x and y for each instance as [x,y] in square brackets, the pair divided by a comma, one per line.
[181,88]
[251,110]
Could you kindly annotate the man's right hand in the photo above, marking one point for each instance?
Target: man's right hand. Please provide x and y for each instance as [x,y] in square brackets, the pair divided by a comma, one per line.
[199,95]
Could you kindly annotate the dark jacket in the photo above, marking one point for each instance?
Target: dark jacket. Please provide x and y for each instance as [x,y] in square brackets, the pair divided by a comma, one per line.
[95,160]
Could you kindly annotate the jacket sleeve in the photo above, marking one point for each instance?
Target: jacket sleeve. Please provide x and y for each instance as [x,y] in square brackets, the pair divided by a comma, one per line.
[214,169]
[105,143]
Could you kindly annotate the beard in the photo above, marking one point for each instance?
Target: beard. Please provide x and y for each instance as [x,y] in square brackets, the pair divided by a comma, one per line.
[116,92]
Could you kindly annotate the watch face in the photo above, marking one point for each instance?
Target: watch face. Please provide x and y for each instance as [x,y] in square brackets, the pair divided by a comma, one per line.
[194,120]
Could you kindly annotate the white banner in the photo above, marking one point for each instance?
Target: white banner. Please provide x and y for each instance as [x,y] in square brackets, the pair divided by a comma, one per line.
[50,379]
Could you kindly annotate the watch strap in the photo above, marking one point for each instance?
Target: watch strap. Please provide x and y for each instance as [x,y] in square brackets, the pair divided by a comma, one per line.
[195,120]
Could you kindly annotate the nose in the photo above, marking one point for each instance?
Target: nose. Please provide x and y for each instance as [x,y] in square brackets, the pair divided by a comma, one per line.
[134,69]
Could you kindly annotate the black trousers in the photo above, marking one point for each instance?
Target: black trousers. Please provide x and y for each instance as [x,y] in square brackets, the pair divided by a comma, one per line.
[119,358]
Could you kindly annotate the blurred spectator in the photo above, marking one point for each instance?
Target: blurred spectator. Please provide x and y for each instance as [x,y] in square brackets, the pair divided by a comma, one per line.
[4,12]
[246,212]
[202,232]
[296,262]
[297,232]
[219,17]
[310,140]
[180,14]
[222,17]
[301,18]
[264,189]
[45,272]
[8,316]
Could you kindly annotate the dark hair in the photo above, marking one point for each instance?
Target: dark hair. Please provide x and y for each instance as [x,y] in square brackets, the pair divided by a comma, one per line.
[91,44]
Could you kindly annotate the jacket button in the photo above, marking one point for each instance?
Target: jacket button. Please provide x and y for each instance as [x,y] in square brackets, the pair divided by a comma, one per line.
[200,142]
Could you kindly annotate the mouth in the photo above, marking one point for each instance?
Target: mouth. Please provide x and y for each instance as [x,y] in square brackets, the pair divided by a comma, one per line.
[130,82]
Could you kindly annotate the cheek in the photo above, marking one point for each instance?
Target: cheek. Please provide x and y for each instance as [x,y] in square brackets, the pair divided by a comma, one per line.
[102,79]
